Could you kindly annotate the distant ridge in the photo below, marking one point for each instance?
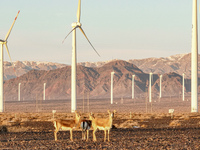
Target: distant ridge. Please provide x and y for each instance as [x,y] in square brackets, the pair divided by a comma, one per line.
[23,67]
[93,80]
[179,64]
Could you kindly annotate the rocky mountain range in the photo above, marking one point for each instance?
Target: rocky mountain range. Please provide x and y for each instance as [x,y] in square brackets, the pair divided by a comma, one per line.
[22,67]
[177,63]
[93,80]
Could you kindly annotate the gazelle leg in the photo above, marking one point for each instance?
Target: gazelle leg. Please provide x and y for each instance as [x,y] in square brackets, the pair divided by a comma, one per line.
[87,134]
[55,135]
[57,127]
[108,135]
[84,132]
[104,135]
[71,137]
[94,136]
[82,135]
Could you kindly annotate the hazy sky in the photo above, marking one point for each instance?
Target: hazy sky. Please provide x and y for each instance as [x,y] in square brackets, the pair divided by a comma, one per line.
[118,29]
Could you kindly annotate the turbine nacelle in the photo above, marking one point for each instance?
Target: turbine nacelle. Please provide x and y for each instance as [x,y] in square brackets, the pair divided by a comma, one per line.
[2,41]
[76,24]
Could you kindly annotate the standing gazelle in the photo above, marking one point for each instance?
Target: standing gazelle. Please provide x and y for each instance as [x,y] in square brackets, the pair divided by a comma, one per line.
[102,124]
[85,125]
[66,125]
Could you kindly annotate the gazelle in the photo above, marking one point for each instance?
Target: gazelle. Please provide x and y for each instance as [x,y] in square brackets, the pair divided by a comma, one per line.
[85,125]
[66,125]
[102,124]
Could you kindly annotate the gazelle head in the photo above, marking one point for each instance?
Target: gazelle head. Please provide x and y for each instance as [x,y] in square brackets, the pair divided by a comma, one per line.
[111,114]
[91,116]
[77,115]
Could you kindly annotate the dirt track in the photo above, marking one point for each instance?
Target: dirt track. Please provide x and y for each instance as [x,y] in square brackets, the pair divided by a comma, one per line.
[182,138]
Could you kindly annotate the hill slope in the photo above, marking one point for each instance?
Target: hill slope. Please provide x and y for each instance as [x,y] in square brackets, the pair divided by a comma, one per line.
[96,81]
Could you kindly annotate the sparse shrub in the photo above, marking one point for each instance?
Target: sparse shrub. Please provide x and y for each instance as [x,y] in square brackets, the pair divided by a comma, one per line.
[175,123]
[144,126]
[129,124]
[3,129]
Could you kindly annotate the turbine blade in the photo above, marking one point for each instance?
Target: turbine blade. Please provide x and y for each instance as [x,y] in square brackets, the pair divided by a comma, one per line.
[10,59]
[88,40]
[11,26]
[69,34]
[79,11]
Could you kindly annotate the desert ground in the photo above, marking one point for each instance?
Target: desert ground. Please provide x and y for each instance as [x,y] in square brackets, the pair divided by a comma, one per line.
[136,125]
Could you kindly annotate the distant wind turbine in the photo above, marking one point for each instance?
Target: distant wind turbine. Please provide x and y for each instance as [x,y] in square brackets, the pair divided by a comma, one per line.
[19,87]
[111,89]
[4,43]
[75,25]
[133,87]
[160,86]
[44,95]
[150,78]
[183,86]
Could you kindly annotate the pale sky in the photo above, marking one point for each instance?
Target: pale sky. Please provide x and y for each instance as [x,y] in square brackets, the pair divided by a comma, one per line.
[118,29]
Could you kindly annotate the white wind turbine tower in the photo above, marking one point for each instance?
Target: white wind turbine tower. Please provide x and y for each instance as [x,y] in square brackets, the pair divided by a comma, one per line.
[75,25]
[4,43]
[150,78]
[44,88]
[194,60]
[133,86]
[183,86]
[19,97]
[160,86]
[111,89]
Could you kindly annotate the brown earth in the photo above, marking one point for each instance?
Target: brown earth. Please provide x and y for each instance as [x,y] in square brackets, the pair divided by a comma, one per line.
[184,138]
[131,129]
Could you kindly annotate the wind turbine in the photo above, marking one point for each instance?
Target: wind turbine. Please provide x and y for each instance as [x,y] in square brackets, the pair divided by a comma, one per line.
[111,89]
[133,87]
[44,95]
[76,25]
[160,86]
[19,97]
[183,86]
[150,78]
[194,60]
[4,43]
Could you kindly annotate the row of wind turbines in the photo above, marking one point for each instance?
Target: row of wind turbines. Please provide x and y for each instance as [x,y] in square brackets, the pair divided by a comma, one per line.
[75,25]
[133,87]
[150,87]
[194,86]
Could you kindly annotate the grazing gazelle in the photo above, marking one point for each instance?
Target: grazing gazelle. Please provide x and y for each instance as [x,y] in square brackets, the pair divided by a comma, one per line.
[66,125]
[102,124]
[85,125]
